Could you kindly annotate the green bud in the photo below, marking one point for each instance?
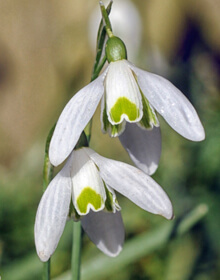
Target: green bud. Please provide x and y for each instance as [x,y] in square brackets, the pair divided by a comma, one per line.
[115,49]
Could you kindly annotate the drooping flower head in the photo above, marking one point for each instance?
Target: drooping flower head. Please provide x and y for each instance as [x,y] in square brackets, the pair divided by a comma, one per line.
[130,97]
[87,182]
[123,100]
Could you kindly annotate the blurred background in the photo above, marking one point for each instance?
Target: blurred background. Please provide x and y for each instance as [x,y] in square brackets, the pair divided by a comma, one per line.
[46,55]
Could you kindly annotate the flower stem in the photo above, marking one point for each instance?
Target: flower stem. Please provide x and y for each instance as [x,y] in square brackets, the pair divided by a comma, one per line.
[48,167]
[106,20]
[95,74]
[46,270]
[100,50]
[76,251]
[98,65]
[100,43]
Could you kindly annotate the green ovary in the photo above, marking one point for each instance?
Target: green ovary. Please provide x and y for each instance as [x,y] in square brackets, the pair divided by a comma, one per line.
[88,196]
[124,106]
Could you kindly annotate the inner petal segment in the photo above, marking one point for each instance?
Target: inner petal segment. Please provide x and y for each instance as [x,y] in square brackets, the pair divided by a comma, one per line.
[88,191]
[122,94]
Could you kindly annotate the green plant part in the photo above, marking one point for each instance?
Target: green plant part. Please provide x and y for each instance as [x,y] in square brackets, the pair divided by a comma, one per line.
[115,49]
[126,107]
[88,196]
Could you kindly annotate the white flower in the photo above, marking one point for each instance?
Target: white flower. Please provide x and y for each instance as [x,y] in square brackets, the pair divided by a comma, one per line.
[129,97]
[89,179]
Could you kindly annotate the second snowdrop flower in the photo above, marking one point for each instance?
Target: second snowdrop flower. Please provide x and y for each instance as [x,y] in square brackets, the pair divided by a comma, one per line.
[89,180]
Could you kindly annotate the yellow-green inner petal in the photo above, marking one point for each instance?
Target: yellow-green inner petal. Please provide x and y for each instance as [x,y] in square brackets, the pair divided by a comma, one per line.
[124,106]
[88,196]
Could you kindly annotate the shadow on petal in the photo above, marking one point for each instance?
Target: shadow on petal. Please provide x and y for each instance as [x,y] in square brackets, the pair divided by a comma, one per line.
[143,146]
[105,230]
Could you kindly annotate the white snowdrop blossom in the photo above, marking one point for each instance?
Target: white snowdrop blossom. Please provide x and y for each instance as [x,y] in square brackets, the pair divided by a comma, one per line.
[130,96]
[87,181]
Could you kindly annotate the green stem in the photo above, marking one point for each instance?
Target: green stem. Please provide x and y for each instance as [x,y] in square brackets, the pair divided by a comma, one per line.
[106,20]
[95,74]
[76,251]
[101,37]
[46,270]
[98,65]
[48,167]
[98,69]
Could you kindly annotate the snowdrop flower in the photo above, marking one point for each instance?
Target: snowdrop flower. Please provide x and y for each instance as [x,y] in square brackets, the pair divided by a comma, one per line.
[130,97]
[90,179]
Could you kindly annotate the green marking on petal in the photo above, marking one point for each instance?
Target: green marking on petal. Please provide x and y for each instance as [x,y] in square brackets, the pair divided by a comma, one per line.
[149,118]
[109,200]
[105,119]
[88,196]
[111,203]
[124,106]
[114,130]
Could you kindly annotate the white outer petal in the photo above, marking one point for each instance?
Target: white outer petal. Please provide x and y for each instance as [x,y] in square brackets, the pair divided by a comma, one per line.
[84,173]
[102,113]
[171,104]
[143,146]
[120,82]
[73,119]
[105,230]
[52,214]
[134,184]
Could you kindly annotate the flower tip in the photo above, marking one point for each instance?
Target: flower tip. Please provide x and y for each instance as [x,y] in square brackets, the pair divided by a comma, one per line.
[199,136]
[171,216]
[43,257]
[113,254]
[202,135]
[168,212]
[197,133]
[54,158]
